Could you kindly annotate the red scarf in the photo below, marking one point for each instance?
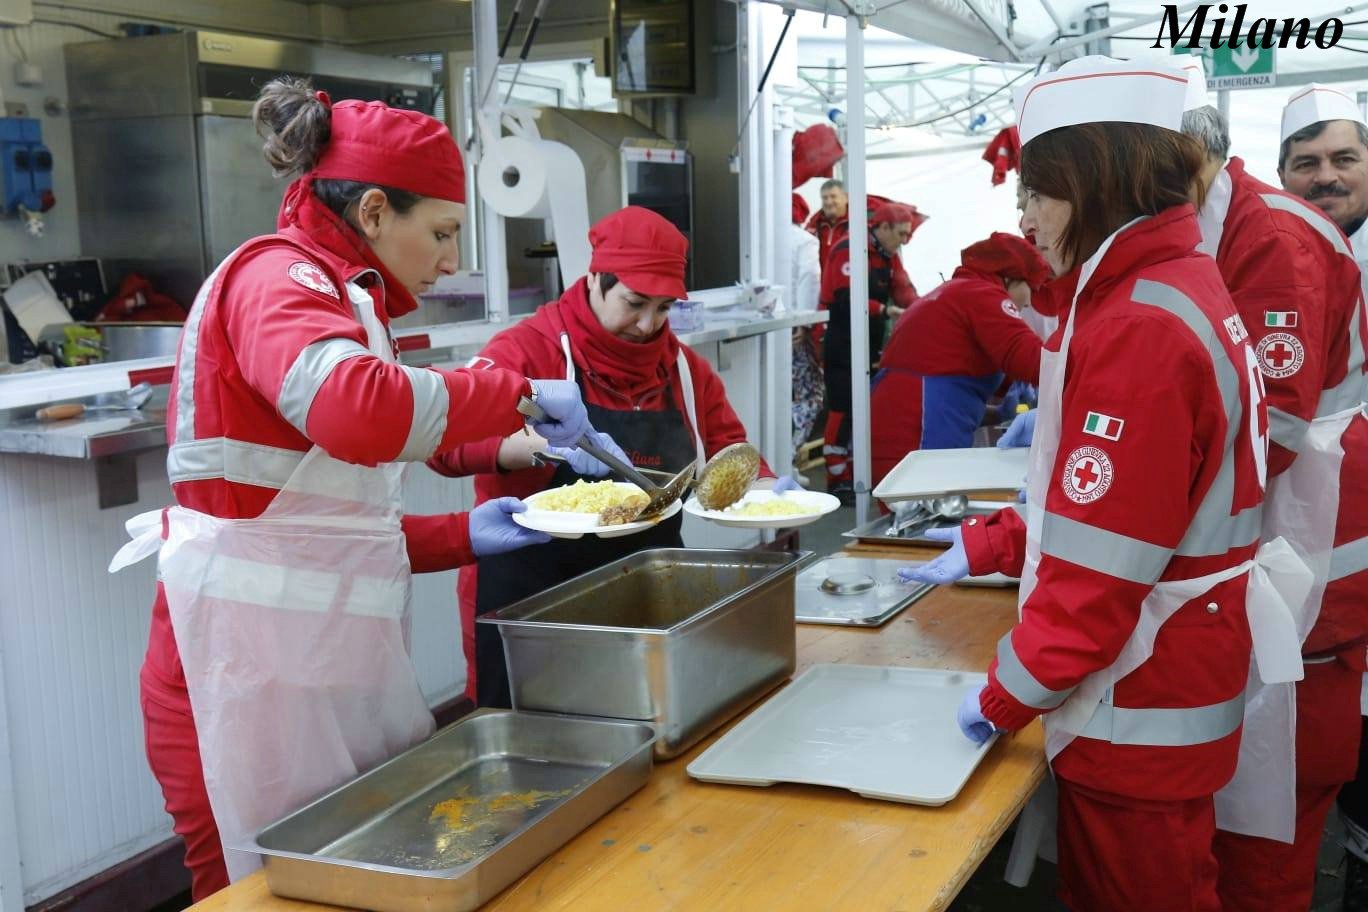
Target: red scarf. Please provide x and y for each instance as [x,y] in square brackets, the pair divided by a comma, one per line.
[631,369]
[301,211]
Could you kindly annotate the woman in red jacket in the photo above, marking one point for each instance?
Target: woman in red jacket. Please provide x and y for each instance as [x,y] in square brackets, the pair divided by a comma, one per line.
[658,399]
[950,350]
[1144,497]
[277,666]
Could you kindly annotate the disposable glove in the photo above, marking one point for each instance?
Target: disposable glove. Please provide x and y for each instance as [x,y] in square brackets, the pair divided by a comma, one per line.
[567,421]
[1020,432]
[786,483]
[493,531]
[970,716]
[947,568]
[584,464]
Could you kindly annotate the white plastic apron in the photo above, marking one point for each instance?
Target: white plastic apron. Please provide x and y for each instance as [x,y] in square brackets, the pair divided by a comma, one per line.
[292,630]
[1270,623]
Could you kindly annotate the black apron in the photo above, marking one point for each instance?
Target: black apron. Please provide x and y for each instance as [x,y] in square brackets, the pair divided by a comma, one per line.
[653,440]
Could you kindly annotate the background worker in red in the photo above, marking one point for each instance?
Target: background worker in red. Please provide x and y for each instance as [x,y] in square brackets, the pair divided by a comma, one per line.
[890,293]
[1295,285]
[661,402]
[950,351]
[1144,501]
[277,665]
[830,223]
[1324,160]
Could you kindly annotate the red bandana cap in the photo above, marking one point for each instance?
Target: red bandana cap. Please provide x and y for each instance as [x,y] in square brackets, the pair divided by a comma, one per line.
[1008,256]
[642,249]
[376,144]
[800,210]
[892,213]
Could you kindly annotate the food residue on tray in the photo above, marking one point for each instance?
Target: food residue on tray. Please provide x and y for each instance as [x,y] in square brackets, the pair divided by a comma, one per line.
[463,813]
[778,506]
[590,497]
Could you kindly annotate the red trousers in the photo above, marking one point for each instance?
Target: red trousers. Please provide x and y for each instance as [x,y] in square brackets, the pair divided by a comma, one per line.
[1261,874]
[1122,854]
[173,753]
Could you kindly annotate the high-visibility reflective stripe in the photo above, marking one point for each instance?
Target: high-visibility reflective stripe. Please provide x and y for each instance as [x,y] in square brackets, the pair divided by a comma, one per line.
[1313,217]
[186,360]
[1213,531]
[1104,551]
[311,369]
[1349,391]
[1348,559]
[1287,431]
[1165,727]
[431,402]
[231,460]
[1020,683]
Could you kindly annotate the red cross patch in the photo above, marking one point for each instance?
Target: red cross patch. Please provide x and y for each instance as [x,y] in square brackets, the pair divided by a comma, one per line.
[845,268]
[1010,309]
[1280,355]
[1087,475]
[313,278]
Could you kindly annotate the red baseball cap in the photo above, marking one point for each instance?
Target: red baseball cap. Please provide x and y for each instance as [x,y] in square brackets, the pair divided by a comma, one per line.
[643,249]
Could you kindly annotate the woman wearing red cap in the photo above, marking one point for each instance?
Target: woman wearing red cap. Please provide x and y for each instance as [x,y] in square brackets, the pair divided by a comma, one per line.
[657,398]
[933,396]
[277,666]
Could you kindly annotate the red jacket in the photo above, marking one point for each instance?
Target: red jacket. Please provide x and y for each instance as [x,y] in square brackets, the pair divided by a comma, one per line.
[1296,285]
[1168,498]
[535,345]
[828,231]
[277,369]
[966,331]
[888,284]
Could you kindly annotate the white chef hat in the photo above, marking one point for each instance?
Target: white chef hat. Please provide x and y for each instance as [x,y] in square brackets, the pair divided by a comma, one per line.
[1196,88]
[1101,89]
[1315,103]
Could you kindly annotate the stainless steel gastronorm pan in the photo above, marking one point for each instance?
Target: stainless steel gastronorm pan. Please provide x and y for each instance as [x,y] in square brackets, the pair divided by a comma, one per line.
[678,637]
[453,821]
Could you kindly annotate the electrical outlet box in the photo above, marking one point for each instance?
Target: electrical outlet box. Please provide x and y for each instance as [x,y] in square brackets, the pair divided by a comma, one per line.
[25,167]
[16,12]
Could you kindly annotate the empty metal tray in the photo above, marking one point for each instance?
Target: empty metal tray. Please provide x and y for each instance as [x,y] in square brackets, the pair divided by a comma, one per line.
[448,824]
[872,532]
[854,591]
[881,732]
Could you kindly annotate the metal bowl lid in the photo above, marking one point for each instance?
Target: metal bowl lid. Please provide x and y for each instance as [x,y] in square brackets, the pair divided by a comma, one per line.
[848,583]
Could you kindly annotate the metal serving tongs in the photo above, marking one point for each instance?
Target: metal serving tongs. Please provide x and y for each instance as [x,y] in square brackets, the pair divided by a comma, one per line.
[661,497]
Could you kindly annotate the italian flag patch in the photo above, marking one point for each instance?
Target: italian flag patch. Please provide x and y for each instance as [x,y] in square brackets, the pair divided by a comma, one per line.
[1104,426]
[1280,318]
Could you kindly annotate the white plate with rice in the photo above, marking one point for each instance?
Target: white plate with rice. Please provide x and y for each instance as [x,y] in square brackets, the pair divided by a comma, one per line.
[761,509]
[577,507]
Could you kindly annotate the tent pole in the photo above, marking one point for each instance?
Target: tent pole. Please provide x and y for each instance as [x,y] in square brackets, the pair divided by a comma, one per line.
[859,265]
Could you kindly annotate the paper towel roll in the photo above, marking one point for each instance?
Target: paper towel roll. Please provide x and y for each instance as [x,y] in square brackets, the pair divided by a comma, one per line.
[537,178]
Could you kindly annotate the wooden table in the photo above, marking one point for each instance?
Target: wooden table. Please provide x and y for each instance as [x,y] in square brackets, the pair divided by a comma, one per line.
[679,844]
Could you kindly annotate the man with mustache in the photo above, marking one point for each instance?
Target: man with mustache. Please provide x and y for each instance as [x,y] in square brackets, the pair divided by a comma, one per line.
[1324,159]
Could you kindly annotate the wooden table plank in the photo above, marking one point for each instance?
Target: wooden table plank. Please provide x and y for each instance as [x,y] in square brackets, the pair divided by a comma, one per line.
[679,844]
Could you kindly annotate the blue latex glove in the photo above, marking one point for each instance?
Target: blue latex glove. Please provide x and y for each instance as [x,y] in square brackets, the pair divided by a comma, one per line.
[971,719]
[493,531]
[568,421]
[584,464]
[1021,431]
[786,483]
[947,568]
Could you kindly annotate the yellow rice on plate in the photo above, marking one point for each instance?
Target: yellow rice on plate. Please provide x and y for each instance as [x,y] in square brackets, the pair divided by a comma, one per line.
[589,497]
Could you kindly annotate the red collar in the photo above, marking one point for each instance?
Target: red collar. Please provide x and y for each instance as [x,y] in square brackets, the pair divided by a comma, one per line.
[305,220]
[1170,235]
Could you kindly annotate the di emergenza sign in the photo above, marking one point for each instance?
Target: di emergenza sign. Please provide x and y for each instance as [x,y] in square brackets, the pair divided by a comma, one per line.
[1243,67]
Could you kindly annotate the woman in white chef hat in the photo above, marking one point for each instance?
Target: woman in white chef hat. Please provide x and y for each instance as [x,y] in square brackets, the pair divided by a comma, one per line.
[1144,493]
